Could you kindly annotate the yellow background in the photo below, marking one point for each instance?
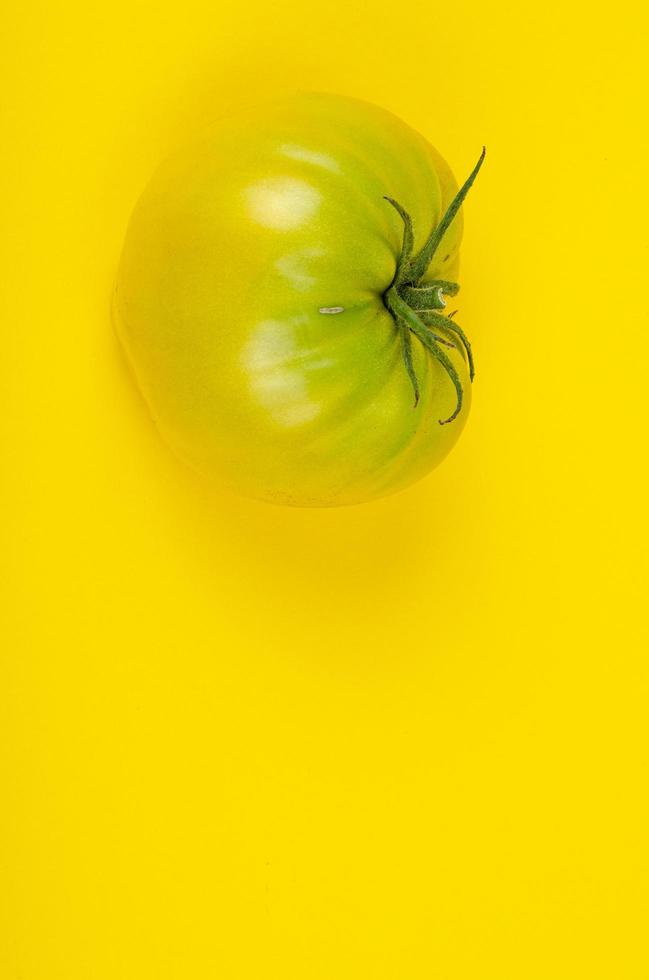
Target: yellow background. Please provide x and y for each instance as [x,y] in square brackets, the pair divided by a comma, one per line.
[404,740]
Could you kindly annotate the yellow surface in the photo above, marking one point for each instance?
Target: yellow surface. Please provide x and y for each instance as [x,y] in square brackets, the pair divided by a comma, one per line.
[406,740]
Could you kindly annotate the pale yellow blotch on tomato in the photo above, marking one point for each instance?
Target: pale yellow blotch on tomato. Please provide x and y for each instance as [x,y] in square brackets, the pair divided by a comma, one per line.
[305,155]
[275,384]
[282,203]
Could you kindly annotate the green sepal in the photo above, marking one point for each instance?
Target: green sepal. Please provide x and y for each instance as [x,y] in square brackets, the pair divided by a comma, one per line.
[419,265]
[432,319]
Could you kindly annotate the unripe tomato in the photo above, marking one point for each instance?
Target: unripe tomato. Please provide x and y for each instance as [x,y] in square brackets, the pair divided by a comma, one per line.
[265,299]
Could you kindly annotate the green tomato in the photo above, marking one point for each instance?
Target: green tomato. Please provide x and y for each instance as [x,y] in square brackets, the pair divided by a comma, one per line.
[280,297]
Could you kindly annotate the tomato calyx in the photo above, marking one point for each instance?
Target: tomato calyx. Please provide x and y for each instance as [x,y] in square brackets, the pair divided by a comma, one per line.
[415,305]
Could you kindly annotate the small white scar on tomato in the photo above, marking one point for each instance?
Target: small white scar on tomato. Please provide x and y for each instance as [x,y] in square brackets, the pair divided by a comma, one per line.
[331,309]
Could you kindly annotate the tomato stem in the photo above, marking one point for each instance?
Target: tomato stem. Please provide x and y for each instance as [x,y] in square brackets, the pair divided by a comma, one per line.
[430,296]
[415,305]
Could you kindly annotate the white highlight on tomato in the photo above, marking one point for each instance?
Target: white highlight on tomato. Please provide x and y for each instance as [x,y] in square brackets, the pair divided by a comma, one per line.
[300,267]
[276,377]
[282,203]
[305,155]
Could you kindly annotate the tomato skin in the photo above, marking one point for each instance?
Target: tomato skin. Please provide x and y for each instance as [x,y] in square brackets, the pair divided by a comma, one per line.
[238,243]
